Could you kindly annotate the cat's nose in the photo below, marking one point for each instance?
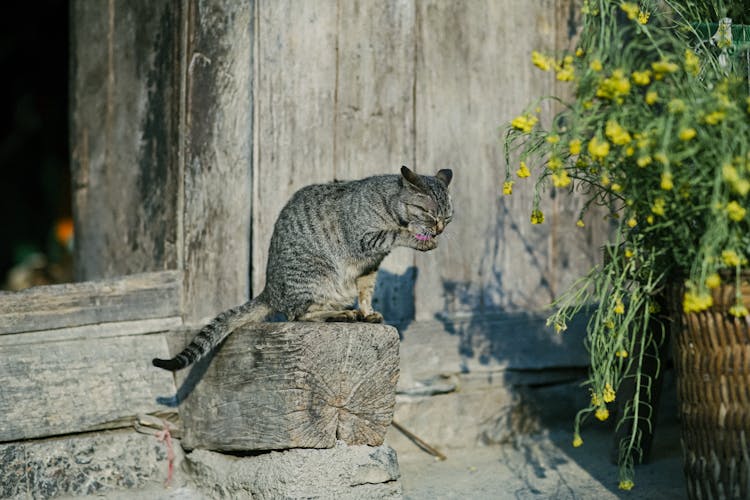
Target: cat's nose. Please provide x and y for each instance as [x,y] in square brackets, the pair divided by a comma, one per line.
[440,227]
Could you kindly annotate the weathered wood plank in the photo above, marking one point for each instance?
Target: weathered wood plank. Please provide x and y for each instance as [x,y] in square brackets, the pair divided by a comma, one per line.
[276,386]
[218,133]
[124,126]
[294,113]
[92,332]
[135,297]
[79,385]
[374,119]
[474,75]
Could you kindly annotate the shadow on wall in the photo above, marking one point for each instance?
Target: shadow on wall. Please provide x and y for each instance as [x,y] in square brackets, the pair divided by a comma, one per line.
[394,296]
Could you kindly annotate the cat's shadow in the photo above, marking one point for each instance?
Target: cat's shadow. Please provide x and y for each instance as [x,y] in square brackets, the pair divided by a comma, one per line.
[194,376]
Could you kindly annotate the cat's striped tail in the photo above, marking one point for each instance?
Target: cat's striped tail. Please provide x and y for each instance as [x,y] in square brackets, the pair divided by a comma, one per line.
[217,330]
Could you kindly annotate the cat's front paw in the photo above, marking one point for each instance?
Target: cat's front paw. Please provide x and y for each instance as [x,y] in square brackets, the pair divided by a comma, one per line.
[374,317]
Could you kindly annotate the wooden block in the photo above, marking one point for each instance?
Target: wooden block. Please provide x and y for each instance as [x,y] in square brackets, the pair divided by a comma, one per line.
[275,386]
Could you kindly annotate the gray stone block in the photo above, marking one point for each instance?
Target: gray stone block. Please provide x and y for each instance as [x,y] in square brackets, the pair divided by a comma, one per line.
[342,472]
[88,464]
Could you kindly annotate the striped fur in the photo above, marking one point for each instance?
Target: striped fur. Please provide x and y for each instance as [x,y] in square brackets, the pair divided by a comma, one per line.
[326,247]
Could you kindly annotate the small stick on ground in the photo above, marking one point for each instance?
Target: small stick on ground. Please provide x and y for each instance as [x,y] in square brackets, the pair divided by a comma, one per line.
[416,440]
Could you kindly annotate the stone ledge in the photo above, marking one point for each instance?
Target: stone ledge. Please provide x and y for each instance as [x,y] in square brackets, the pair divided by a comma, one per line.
[342,472]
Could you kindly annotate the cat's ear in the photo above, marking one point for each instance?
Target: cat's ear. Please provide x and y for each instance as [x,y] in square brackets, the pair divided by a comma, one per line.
[445,175]
[412,179]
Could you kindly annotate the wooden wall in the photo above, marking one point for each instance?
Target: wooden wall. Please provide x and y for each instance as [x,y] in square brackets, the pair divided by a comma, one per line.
[195,121]
[351,88]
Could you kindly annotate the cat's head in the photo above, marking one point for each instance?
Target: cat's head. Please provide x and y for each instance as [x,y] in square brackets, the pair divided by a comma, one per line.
[425,203]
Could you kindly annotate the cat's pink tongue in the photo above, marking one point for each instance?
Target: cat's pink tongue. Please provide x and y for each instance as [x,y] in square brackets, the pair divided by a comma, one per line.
[422,237]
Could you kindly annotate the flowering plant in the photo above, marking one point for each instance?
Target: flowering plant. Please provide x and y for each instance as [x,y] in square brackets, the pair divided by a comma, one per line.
[657,130]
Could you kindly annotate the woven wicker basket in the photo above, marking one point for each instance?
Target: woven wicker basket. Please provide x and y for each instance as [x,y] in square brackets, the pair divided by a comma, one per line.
[712,357]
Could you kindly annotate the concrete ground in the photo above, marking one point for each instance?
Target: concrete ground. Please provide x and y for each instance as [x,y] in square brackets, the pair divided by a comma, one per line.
[545,465]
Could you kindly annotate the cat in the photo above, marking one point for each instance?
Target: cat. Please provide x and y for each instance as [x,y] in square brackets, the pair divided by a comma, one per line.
[326,247]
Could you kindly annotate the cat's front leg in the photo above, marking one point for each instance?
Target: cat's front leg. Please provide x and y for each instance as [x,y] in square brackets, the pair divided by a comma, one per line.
[365,288]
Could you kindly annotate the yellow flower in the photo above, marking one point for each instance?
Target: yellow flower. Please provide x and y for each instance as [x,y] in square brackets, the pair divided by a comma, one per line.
[580,223]
[605,180]
[666,181]
[541,61]
[643,16]
[561,179]
[741,187]
[616,133]
[730,258]
[622,353]
[619,307]
[524,123]
[713,281]
[508,187]
[577,441]
[687,133]
[596,65]
[537,217]
[714,117]
[630,9]
[661,158]
[595,401]
[632,222]
[609,393]
[626,484]
[692,63]
[643,161]
[650,219]
[554,163]
[663,67]
[739,311]
[598,149]
[602,413]
[729,173]
[614,87]
[575,146]
[579,52]
[641,77]
[553,138]
[735,211]
[523,171]
[658,206]
[651,97]
[696,302]
[629,253]
[616,187]
[566,73]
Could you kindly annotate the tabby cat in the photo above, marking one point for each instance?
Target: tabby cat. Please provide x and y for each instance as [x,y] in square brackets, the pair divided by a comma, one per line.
[327,244]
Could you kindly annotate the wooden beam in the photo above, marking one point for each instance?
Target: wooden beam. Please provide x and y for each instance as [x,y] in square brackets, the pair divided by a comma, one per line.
[135,297]
[79,385]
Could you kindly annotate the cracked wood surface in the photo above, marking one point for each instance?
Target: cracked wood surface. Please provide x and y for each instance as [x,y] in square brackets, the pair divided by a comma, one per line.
[274,386]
